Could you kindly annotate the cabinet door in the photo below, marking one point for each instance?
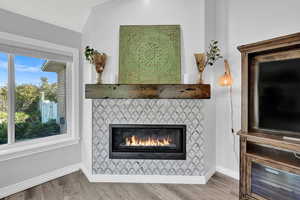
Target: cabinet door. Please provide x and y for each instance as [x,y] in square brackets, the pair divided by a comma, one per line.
[269,181]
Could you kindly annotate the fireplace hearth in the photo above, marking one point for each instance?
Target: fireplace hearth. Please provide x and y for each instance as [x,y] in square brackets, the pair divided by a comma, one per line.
[156,142]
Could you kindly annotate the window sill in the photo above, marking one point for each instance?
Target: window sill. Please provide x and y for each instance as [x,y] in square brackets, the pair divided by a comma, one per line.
[26,148]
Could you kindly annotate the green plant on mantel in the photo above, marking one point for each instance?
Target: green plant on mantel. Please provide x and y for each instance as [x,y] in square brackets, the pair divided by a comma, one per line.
[213,54]
[90,53]
[209,58]
[98,59]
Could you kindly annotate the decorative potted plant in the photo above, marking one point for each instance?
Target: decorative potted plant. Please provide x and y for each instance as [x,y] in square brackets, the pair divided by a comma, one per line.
[98,59]
[209,58]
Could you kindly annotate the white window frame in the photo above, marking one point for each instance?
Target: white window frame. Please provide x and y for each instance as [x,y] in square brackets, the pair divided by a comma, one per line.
[14,149]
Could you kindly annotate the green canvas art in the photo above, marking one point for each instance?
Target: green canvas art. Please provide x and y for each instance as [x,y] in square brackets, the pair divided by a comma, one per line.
[150,55]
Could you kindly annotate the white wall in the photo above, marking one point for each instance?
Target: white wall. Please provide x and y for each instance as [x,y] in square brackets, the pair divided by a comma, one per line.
[17,170]
[86,141]
[243,22]
[103,26]
[28,27]
[210,105]
[21,169]
[102,33]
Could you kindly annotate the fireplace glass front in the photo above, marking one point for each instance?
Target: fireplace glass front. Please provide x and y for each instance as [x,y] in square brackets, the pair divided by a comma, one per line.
[147,142]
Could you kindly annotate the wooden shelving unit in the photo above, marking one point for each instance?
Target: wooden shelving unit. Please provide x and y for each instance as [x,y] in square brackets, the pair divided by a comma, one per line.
[268,139]
[271,149]
[147,91]
[269,163]
[275,154]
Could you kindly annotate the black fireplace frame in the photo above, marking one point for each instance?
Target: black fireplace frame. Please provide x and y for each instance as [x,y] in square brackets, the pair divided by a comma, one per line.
[148,155]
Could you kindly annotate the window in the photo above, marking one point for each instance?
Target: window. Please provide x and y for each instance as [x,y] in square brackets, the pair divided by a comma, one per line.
[3,98]
[38,96]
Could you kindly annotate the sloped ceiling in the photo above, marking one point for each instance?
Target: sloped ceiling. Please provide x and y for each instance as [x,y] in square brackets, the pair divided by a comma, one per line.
[71,14]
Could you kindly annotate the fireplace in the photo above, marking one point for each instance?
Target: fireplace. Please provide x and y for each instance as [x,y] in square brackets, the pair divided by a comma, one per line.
[156,142]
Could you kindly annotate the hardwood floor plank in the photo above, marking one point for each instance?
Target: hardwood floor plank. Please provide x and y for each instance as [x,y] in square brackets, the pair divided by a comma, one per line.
[182,191]
[87,189]
[34,193]
[18,196]
[76,187]
[139,191]
[163,192]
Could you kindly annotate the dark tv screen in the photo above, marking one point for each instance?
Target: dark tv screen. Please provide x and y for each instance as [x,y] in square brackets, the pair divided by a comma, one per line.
[279,95]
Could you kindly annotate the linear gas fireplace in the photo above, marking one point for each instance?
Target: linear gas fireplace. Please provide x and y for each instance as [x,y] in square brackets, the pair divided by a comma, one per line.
[155,142]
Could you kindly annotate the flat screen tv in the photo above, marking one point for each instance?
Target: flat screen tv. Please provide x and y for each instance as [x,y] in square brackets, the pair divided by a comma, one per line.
[277,96]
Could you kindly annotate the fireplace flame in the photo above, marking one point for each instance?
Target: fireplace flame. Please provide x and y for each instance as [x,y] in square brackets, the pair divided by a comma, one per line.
[148,141]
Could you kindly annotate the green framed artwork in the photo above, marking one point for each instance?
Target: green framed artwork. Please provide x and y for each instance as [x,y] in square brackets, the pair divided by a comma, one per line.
[150,54]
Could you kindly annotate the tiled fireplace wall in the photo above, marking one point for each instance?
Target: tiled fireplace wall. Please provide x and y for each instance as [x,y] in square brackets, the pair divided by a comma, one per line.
[188,112]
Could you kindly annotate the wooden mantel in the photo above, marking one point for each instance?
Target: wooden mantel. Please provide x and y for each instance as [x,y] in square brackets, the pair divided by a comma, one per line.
[147,91]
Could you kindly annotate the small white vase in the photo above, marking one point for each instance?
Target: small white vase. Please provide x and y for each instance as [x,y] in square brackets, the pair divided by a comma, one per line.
[98,78]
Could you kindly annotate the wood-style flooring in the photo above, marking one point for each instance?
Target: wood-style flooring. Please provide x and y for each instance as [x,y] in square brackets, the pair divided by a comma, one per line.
[76,187]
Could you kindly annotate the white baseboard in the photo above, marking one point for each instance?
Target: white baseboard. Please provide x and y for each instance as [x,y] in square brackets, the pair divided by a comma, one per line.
[209,174]
[228,172]
[162,179]
[86,172]
[21,186]
[148,179]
